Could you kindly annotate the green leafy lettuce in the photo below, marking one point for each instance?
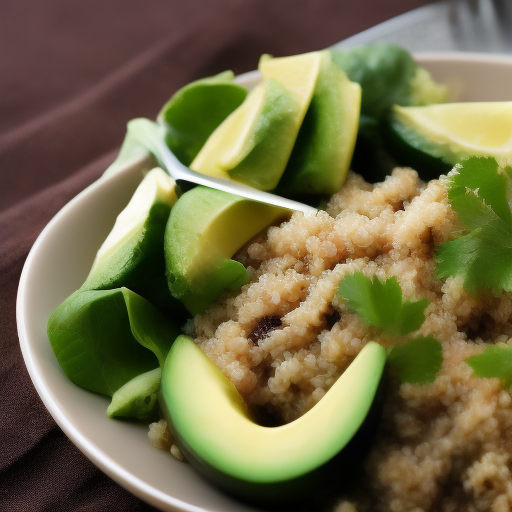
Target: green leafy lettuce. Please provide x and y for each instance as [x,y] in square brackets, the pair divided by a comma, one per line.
[103,339]
[380,304]
[478,190]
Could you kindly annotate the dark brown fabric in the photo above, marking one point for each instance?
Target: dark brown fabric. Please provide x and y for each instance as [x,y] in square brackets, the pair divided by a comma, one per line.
[71,75]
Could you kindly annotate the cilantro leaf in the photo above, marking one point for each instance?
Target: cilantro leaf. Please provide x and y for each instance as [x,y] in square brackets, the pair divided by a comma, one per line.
[494,361]
[418,361]
[381,305]
[477,191]
[480,179]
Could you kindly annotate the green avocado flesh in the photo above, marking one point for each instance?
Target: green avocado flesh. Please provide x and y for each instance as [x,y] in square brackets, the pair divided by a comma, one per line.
[206,227]
[254,143]
[104,338]
[195,111]
[322,154]
[138,398]
[132,254]
[217,434]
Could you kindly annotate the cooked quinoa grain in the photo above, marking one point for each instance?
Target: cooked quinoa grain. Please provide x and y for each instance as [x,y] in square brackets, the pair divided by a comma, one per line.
[161,437]
[286,338]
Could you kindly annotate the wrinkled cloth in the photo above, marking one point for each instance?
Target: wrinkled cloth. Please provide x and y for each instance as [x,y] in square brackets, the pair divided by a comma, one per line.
[71,75]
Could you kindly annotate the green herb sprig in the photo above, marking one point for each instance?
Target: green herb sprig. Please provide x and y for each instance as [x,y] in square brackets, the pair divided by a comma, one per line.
[494,362]
[380,304]
[478,192]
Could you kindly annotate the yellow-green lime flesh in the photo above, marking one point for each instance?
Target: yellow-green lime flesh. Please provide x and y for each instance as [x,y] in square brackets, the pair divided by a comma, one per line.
[452,132]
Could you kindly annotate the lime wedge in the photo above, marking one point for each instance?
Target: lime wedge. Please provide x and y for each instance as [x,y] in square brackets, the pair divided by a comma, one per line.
[254,143]
[433,138]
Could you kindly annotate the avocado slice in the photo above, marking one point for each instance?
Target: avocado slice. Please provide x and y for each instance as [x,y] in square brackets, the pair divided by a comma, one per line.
[254,143]
[137,398]
[205,228]
[217,435]
[388,76]
[195,111]
[132,255]
[322,154]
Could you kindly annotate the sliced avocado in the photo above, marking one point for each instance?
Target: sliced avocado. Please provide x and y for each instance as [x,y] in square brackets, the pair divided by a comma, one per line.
[323,151]
[104,338]
[206,227]
[217,435]
[138,398]
[298,73]
[432,139]
[254,143]
[195,111]
[132,255]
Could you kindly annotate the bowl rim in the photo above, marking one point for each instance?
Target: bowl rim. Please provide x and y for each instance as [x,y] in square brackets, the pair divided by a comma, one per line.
[97,456]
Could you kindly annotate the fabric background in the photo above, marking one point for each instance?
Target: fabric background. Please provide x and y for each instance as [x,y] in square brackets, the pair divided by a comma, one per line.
[71,75]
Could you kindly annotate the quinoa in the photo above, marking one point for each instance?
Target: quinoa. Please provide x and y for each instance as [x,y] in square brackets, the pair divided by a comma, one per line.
[286,338]
[161,437]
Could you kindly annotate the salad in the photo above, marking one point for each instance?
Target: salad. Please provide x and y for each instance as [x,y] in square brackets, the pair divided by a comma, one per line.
[290,353]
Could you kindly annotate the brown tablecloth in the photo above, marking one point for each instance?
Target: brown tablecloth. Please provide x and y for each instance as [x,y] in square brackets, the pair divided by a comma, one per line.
[71,75]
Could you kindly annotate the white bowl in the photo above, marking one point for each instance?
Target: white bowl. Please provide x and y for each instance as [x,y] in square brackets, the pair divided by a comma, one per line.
[58,264]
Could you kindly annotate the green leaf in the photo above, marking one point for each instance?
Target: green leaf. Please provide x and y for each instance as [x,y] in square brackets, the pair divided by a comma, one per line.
[479,184]
[143,138]
[148,325]
[381,305]
[195,111]
[494,362]
[188,119]
[418,361]
[103,339]
[384,71]
[388,76]
[477,191]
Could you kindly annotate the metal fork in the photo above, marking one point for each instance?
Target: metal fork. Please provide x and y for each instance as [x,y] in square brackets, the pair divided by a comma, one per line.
[185,176]
[453,25]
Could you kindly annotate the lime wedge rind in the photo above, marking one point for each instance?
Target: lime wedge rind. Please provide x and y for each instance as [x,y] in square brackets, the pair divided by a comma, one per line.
[454,131]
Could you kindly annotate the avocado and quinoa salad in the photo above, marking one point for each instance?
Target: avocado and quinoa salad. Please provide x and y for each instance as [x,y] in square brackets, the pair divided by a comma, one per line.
[357,359]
